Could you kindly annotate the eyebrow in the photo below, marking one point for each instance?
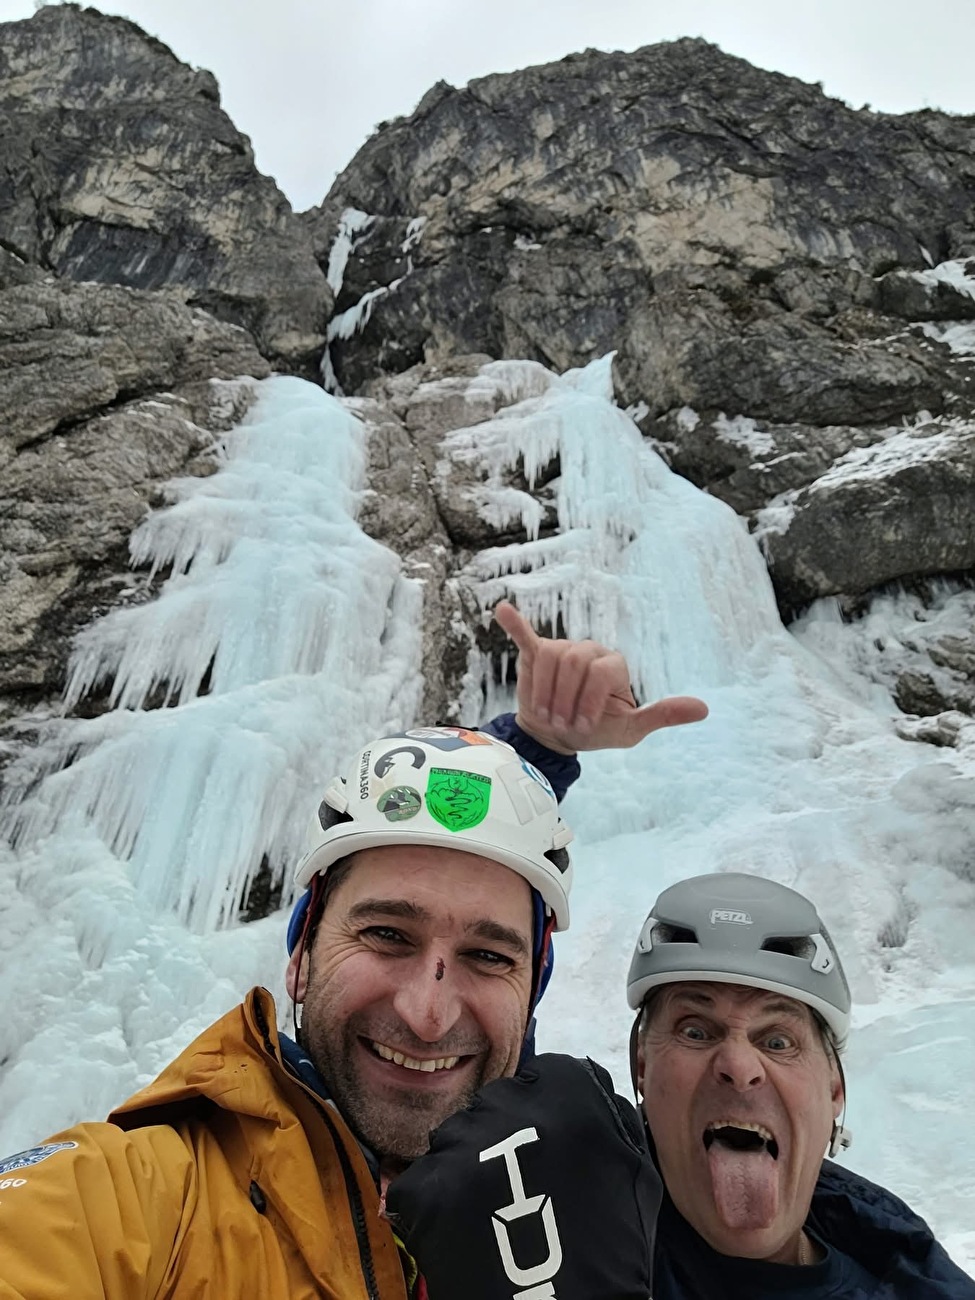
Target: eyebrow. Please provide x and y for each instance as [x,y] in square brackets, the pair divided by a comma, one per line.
[404,910]
[775,1006]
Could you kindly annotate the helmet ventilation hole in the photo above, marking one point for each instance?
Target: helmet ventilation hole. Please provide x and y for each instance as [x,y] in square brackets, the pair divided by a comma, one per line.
[663,933]
[791,947]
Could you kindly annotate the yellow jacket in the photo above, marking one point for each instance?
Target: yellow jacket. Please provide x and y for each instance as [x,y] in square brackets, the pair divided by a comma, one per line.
[225,1178]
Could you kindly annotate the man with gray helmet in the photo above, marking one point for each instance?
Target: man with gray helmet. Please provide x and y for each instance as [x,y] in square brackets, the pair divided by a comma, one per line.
[742,1011]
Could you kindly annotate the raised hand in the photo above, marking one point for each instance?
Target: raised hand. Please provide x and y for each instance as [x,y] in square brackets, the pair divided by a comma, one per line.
[576,695]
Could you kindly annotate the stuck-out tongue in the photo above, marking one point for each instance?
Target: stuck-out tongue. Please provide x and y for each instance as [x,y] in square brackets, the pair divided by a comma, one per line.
[745,1186]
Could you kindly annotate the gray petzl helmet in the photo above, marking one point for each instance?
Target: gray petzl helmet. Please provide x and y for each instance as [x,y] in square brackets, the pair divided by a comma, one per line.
[730,928]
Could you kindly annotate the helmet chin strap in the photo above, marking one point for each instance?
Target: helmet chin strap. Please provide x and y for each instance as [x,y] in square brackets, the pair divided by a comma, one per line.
[634,1071]
[841,1138]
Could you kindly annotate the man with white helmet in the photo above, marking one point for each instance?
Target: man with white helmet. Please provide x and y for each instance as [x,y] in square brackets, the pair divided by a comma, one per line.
[742,1013]
[255,1164]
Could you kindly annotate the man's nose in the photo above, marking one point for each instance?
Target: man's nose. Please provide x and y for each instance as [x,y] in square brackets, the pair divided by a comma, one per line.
[739,1063]
[428,1002]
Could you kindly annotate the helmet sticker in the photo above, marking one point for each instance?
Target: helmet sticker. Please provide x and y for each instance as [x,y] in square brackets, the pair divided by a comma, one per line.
[449,738]
[386,761]
[458,800]
[33,1156]
[400,804]
[735,918]
[475,737]
[364,774]
[535,775]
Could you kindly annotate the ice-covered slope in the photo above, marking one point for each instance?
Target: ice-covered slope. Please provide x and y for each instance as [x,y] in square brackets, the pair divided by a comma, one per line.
[111,958]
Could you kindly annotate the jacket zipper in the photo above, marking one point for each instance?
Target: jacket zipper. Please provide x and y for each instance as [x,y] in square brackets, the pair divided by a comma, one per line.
[351,1183]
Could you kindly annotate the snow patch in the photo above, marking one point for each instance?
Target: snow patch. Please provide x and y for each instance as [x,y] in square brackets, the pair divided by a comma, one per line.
[957,274]
[687,419]
[959,336]
[742,431]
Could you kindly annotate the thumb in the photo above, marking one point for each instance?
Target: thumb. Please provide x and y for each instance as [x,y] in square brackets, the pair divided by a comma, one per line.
[516,626]
[674,711]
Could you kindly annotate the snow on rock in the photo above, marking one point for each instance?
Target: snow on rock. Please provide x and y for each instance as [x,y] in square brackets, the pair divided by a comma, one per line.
[957,274]
[900,506]
[902,638]
[959,336]
[742,431]
[352,222]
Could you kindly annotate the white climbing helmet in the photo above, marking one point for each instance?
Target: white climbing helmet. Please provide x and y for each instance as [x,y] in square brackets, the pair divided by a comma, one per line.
[452,788]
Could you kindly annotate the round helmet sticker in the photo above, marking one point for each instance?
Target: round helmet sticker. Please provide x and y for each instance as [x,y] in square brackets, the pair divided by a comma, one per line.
[400,804]
[458,800]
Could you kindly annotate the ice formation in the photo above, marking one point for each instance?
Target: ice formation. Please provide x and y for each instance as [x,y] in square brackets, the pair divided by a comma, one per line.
[797,774]
[300,630]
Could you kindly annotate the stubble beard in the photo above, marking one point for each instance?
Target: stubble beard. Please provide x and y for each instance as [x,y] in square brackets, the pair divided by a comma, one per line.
[397,1123]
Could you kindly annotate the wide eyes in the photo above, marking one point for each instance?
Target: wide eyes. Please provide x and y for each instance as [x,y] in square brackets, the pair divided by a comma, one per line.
[779,1043]
[775,1042]
[693,1033]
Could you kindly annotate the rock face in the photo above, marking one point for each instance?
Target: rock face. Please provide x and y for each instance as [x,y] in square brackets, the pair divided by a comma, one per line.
[119,166]
[105,394]
[759,255]
[142,256]
[707,218]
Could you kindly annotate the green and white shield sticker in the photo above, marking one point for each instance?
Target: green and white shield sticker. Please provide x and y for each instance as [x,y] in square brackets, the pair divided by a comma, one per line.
[399,804]
[457,800]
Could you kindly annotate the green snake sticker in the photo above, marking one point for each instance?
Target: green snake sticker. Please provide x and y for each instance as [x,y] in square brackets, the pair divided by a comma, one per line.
[400,804]
[458,800]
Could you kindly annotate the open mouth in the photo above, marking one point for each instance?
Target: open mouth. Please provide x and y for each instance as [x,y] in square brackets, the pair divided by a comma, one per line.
[741,1135]
[430,1065]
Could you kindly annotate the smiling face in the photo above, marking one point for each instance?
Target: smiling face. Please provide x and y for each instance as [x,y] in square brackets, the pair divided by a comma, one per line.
[740,1095]
[417,989]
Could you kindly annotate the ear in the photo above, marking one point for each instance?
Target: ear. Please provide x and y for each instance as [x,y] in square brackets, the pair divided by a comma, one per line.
[837,1092]
[641,1064]
[296,976]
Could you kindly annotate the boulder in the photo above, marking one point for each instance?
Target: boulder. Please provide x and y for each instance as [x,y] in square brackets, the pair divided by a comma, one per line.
[905,505]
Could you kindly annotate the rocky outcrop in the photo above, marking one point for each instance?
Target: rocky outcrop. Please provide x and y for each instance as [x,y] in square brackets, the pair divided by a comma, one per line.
[725,228]
[905,505]
[105,393]
[142,256]
[117,165]
[784,280]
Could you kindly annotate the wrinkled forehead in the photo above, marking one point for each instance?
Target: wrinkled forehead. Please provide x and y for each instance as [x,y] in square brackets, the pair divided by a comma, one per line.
[720,1000]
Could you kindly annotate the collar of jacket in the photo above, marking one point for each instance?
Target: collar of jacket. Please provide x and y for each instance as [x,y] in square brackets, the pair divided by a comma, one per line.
[276,1132]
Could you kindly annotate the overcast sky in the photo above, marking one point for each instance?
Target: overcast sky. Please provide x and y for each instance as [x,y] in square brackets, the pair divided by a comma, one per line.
[308,80]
